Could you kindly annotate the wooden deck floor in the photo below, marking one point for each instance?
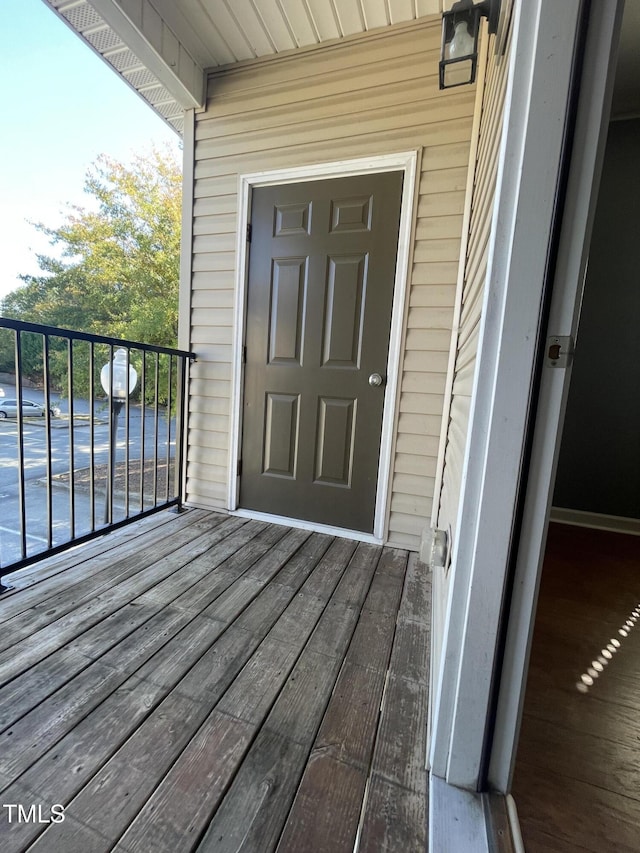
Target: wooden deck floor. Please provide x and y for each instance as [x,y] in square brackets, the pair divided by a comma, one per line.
[577,779]
[201,682]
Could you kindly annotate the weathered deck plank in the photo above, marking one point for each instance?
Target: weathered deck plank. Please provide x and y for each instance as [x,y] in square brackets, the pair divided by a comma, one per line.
[240,691]
[266,781]
[39,581]
[326,810]
[247,700]
[394,815]
[121,568]
[55,634]
[211,666]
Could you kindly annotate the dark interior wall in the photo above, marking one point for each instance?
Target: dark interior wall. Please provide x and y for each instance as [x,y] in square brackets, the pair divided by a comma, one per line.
[599,465]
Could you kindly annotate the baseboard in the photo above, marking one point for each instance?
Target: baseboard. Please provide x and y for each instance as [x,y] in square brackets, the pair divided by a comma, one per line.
[514,825]
[580,518]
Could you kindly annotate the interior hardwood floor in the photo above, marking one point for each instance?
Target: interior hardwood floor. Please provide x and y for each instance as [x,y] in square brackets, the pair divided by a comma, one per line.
[577,779]
[202,682]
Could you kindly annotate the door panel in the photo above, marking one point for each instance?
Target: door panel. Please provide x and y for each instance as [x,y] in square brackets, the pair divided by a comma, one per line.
[335,441]
[281,435]
[288,290]
[321,272]
[343,318]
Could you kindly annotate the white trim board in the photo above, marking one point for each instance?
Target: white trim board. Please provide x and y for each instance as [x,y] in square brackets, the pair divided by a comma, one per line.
[186,239]
[301,524]
[540,79]
[406,162]
[596,520]
[596,84]
[185,293]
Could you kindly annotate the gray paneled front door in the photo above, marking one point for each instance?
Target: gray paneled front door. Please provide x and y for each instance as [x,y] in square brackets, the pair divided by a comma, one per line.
[321,272]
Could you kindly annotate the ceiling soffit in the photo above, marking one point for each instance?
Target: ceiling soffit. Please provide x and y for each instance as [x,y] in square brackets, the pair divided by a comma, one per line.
[161,48]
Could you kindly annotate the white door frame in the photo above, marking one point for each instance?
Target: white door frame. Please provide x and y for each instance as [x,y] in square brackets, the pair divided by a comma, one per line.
[573,249]
[537,105]
[406,162]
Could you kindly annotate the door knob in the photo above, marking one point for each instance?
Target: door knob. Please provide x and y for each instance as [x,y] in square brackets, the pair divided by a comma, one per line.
[375,380]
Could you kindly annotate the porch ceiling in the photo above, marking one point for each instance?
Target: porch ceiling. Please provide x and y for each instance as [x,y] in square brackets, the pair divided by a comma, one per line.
[162,48]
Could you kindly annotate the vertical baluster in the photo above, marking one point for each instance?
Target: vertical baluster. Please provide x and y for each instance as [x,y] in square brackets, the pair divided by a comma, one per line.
[156,391]
[108,500]
[92,439]
[126,437]
[143,407]
[169,406]
[72,466]
[20,427]
[47,404]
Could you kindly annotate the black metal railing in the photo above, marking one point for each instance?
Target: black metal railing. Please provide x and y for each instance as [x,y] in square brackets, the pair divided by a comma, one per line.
[87,443]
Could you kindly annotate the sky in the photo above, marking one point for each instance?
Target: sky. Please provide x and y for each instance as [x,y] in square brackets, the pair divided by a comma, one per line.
[60,107]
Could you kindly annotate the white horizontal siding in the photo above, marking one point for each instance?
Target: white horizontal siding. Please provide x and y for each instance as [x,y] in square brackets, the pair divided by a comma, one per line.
[375,95]
[473,283]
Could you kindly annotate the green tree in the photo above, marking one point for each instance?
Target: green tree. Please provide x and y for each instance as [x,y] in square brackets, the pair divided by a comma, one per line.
[117,273]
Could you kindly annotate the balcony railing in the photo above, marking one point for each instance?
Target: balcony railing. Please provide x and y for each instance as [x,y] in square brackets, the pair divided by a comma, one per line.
[81,454]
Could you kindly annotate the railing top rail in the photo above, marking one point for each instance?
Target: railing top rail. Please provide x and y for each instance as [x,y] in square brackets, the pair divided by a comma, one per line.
[55,331]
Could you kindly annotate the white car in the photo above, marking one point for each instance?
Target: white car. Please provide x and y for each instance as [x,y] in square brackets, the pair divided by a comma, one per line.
[9,409]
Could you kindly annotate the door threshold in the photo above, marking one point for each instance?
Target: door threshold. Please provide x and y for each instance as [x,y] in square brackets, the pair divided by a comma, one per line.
[471,821]
[356,535]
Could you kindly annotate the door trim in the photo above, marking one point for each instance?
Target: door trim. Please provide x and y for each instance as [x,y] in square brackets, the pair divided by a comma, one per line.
[592,121]
[489,520]
[538,91]
[406,162]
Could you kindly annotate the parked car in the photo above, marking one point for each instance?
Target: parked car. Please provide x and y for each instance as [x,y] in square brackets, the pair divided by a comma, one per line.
[9,409]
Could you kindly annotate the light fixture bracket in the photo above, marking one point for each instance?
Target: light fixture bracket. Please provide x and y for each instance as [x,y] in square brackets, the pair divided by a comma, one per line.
[490,9]
[460,33]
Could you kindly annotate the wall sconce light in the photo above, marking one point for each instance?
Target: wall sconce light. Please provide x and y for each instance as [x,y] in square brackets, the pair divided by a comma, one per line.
[460,31]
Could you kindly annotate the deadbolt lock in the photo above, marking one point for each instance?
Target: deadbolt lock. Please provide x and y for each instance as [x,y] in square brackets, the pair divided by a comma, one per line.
[375,380]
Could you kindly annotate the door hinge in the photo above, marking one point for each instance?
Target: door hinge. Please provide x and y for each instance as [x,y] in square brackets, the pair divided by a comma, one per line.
[249,232]
[239,468]
[559,352]
[244,355]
